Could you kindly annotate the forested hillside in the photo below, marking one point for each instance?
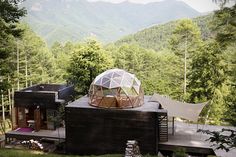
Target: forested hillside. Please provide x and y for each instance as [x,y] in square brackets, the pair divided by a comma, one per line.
[189,61]
[73,20]
[157,37]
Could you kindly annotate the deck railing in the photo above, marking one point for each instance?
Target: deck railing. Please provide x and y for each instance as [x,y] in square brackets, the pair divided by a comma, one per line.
[163,127]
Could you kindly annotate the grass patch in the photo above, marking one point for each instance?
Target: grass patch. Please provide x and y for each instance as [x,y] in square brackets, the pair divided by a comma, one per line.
[29,153]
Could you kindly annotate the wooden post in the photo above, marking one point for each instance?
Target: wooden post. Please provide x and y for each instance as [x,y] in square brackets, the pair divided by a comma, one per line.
[156,132]
[37,119]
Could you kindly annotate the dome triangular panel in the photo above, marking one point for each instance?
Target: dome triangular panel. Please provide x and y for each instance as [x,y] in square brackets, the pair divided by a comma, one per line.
[117,83]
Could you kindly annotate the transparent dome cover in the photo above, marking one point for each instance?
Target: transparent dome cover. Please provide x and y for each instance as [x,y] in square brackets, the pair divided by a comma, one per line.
[116,88]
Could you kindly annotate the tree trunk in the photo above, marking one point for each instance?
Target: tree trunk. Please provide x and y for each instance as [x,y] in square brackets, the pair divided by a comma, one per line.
[9,97]
[13,113]
[90,75]
[185,66]
[9,100]
[26,71]
[3,114]
[18,65]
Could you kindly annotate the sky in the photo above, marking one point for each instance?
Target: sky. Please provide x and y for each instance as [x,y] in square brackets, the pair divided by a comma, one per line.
[199,5]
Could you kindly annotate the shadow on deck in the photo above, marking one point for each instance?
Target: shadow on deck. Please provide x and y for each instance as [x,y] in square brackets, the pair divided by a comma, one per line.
[58,134]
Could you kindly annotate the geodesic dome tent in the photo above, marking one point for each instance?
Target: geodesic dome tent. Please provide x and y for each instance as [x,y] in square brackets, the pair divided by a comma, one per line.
[116,88]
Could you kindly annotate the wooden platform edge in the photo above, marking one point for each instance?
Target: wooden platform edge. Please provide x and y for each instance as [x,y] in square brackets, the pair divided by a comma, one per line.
[189,149]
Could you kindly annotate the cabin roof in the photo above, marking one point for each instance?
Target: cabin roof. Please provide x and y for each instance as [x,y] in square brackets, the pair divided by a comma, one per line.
[44,95]
[44,88]
[83,102]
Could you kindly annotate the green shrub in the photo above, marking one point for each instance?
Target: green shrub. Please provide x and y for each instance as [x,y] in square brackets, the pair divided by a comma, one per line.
[180,152]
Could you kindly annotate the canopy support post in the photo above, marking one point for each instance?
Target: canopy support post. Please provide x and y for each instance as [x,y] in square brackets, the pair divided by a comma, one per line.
[173,125]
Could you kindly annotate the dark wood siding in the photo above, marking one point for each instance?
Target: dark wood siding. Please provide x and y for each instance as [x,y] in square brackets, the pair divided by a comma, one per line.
[45,98]
[103,131]
[66,93]
[26,99]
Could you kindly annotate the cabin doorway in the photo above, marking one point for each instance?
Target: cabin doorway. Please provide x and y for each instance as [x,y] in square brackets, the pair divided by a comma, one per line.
[33,117]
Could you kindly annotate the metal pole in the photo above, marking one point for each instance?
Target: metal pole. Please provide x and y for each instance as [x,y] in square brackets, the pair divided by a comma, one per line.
[173,125]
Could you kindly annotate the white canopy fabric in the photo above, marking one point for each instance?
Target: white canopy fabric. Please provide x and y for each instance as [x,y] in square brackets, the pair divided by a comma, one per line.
[179,109]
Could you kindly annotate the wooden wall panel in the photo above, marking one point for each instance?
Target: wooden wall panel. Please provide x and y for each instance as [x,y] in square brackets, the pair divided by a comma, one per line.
[103,131]
[21,117]
[37,119]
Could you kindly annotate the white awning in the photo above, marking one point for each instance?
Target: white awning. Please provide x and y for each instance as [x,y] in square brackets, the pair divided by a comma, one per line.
[179,109]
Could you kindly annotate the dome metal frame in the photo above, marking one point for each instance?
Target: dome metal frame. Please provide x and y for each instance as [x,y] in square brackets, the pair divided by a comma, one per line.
[116,88]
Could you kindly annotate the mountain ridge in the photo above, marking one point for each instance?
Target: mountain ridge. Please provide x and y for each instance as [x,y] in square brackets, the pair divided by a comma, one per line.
[157,37]
[77,19]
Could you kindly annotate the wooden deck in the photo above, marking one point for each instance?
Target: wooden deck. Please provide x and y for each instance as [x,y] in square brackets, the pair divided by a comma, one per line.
[186,136]
[58,134]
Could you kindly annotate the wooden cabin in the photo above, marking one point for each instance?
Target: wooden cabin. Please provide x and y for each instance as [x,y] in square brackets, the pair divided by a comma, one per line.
[36,106]
[96,130]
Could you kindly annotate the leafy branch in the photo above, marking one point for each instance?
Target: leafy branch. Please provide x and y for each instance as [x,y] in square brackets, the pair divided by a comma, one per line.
[224,139]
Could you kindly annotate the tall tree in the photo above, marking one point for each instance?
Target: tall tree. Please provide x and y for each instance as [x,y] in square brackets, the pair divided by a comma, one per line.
[62,54]
[225,27]
[129,57]
[154,69]
[224,22]
[86,63]
[208,80]
[36,62]
[184,42]
[10,15]
[231,99]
